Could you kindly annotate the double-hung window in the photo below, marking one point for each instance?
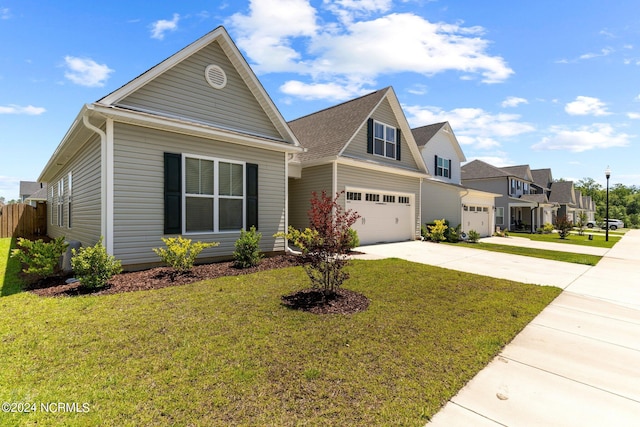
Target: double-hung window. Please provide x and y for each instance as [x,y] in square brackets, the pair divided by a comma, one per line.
[213,195]
[500,215]
[443,167]
[384,140]
[60,203]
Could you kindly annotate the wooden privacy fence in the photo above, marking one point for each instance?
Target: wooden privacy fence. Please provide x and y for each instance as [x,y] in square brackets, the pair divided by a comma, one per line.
[20,220]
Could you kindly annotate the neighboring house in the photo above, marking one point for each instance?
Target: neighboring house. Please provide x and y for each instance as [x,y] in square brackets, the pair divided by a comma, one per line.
[29,188]
[518,205]
[443,196]
[542,180]
[563,193]
[365,148]
[194,146]
[590,208]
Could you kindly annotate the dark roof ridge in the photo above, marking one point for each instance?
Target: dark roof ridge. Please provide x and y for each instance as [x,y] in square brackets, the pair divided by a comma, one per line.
[341,104]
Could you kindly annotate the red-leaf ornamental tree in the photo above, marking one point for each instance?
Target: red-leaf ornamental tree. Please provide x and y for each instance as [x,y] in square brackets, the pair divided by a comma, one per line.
[326,242]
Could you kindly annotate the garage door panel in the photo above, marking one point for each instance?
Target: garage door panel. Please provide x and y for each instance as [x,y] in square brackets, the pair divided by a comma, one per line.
[384,217]
[477,218]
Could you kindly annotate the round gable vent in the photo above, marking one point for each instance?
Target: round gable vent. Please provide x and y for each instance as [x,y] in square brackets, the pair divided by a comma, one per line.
[215,76]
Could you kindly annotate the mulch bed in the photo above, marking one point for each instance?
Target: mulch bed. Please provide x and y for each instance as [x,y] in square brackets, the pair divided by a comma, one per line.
[343,302]
[156,278]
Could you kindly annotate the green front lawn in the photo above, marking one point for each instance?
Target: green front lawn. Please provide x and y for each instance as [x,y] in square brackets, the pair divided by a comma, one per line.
[227,352]
[538,253]
[10,282]
[573,239]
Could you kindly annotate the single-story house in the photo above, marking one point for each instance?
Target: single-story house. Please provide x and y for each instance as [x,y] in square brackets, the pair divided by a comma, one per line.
[194,146]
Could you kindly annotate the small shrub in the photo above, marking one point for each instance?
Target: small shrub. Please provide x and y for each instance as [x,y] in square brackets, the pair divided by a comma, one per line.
[473,236]
[325,244]
[452,235]
[181,253]
[93,266]
[548,228]
[424,232]
[247,253]
[353,241]
[581,223]
[41,259]
[437,231]
[564,226]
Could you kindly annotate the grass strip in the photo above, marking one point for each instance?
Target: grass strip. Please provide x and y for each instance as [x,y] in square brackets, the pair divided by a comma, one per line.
[598,240]
[538,253]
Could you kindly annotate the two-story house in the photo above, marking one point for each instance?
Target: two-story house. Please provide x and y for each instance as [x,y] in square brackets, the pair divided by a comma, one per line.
[364,150]
[443,195]
[517,206]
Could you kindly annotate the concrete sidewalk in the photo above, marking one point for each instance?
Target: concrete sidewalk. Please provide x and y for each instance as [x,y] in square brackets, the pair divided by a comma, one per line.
[576,364]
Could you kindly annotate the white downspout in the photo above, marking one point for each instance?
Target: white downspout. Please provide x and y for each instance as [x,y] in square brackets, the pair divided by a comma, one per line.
[106,179]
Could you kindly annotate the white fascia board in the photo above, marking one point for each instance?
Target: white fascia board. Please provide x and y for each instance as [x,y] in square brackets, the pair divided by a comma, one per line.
[195,129]
[378,167]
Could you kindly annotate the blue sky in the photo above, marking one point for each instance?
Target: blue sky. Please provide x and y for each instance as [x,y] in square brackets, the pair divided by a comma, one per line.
[547,83]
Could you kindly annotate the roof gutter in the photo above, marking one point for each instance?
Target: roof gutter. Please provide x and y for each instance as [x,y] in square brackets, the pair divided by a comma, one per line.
[106,179]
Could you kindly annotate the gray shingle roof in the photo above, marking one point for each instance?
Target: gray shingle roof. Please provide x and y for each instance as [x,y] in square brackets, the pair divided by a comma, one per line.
[326,132]
[541,177]
[520,171]
[562,192]
[477,169]
[423,134]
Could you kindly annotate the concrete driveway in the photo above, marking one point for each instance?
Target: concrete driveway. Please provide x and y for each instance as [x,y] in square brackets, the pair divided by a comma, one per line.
[576,364]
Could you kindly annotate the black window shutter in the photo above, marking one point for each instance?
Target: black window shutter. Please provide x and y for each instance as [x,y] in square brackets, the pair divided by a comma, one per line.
[398,143]
[252,195]
[370,136]
[435,169]
[172,193]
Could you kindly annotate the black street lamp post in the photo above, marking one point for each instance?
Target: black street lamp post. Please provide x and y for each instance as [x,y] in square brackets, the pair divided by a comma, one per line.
[607,173]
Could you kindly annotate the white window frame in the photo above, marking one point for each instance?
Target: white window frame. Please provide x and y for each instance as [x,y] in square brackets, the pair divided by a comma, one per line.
[500,210]
[216,194]
[60,203]
[69,198]
[389,147]
[442,170]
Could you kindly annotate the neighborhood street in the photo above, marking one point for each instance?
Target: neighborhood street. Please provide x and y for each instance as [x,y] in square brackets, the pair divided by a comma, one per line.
[576,364]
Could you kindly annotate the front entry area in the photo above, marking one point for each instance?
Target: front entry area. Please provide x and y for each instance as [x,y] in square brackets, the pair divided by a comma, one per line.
[384,216]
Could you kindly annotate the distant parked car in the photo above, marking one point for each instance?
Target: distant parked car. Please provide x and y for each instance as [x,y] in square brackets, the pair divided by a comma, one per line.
[614,224]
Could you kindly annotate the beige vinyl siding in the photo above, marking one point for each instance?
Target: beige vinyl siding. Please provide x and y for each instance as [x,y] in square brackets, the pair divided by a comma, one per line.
[357,148]
[350,176]
[184,92]
[315,178]
[86,175]
[139,191]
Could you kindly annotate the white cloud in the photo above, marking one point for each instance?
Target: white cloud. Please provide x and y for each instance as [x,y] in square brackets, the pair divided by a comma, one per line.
[330,91]
[513,101]
[584,138]
[86,72]
[266,32]
[634,116]
[603,52]
[5,13]
[473,126]
[29,110]
[586,105]
[159,28]
[365,42]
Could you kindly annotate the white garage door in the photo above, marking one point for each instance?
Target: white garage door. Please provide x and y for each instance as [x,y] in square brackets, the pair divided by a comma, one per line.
[384,216]
[476,218]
